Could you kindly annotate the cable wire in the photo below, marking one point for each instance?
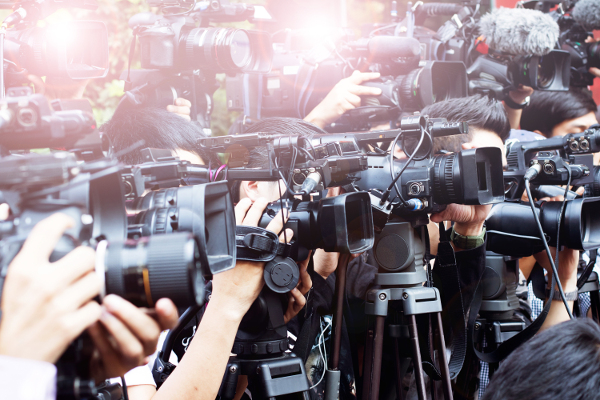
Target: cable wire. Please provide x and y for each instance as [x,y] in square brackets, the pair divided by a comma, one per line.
[548,253]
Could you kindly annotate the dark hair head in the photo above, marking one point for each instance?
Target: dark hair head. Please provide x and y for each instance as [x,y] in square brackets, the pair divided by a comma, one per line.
[258,156]
[549,109]
[158,128]
[562,362]
[479,111]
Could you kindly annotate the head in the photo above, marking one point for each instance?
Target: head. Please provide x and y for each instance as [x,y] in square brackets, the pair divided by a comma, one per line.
[259,158]
[487,119]
[559,113]
[562,362]
[158,129]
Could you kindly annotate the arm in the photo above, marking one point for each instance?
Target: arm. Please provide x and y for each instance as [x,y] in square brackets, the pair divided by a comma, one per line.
[568,260]
[200,371]
[518,96]
[344,96]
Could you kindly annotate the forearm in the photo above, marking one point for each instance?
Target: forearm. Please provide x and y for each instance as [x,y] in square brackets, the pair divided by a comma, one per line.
[514,117]
[200,372]
[558,313]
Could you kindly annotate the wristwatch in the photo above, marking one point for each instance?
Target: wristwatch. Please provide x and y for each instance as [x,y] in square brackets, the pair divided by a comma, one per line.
[467,242]
[516,106]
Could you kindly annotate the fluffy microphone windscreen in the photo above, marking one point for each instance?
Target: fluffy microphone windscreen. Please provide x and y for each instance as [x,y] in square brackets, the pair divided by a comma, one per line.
[587,14]
[519,31]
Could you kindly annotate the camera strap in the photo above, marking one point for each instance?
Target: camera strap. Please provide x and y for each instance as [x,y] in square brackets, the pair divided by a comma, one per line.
[258,244]
[446,266]
[511,344]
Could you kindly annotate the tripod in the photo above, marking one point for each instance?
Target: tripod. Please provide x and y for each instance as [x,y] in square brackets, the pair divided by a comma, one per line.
[496,323]
[259,350]
[400,294]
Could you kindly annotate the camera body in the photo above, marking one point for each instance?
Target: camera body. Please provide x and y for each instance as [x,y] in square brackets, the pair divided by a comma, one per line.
[583,55]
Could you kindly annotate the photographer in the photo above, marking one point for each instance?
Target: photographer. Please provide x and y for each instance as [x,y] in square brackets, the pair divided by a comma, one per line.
[45,306]
[558,113]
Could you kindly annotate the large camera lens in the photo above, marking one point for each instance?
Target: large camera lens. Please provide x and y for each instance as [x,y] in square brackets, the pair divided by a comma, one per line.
[205,210]
[550,72]
[239,48]
[512,229]
[469,177]
[145,270]
[545,74]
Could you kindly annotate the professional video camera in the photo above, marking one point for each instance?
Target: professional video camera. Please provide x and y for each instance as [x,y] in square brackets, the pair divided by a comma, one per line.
[57,50]
[142,270]
[181,59]
[563,160]
[520,52]
[301,79]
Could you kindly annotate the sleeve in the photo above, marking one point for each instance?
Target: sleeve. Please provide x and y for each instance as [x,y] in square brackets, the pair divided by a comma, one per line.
[25,379]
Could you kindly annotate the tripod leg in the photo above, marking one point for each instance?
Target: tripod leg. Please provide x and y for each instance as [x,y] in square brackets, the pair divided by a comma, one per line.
[418,368]
[443,361]
[340,288]
[368,365]
[377,356]
[399,371]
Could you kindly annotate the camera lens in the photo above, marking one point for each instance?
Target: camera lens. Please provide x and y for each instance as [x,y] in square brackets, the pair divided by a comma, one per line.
[145,270]
[223,49]
[545,73]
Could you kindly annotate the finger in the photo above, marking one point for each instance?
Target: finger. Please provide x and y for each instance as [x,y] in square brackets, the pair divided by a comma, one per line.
[241,209]
[358,77]
[99,336]
[353,99]
[127,344]
[137,323]
[73,266]
[80,292]
[334,191]
[305,282]
[45,235]
[4,211]
[76,322]
[180,101]
[276,224]
[255,212]
[298,300]
[38,84]
[580,191]
[180,110]
[166,313]
[364,90]
[289,234]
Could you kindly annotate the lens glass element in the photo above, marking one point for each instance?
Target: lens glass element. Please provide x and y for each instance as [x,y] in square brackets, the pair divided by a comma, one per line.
[240,49]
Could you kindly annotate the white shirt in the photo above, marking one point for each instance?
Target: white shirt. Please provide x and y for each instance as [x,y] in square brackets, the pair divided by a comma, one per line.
[24,379]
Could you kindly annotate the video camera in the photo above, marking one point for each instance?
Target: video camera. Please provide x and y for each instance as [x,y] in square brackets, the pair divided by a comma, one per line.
[58,50]
[301,79]
[181,60]
[140,270]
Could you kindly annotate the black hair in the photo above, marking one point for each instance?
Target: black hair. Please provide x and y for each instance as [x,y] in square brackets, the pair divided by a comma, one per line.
[479,111]
[549,109]
[562,362]
[258,156]
[158,128]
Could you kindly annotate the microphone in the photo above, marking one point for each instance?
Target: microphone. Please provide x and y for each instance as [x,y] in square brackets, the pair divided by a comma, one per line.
[587,14]
[519,31]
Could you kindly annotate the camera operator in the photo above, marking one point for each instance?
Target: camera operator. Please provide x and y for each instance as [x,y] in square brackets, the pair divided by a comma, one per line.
[45,306]
[344,96]
[562,362]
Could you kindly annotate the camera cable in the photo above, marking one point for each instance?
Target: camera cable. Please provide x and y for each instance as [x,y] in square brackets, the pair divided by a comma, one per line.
[527,178]
[386,195]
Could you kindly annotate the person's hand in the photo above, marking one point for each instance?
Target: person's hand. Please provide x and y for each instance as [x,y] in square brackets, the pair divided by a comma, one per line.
[568,261]
[520,94]
[235,290]
[344,96]
[182,107]
[126,335]
[468,220]
[297,299]
[45,306]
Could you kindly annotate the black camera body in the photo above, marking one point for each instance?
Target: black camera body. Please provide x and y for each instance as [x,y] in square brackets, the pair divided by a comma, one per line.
[180,59]
[498,73]
[554,155]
